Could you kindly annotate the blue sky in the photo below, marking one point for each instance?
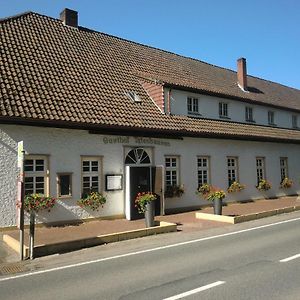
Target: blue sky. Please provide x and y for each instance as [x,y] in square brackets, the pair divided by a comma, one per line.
[265,32]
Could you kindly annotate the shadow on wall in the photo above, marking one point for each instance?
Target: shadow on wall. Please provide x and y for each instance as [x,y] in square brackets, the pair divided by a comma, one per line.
[66,212]
[58,215]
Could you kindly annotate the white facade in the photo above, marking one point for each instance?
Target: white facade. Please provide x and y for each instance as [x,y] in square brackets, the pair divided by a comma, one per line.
[64,149]
[209,108]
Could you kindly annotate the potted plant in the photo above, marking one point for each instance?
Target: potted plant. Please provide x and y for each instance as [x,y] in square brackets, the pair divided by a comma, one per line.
[35,202]
[235,187]
[145,204]
[32,204]
[213,194]
[264,185]
[286,183]
[174,191]
[93,200]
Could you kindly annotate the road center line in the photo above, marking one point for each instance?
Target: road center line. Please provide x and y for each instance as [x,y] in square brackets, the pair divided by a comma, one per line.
[290,258]
[191,292]
[147,250]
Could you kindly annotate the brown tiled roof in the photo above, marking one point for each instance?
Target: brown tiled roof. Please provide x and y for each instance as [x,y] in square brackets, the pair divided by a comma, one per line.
[55,74]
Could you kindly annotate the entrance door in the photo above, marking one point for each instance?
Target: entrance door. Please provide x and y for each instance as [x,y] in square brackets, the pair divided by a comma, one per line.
[140,181]
[143,179]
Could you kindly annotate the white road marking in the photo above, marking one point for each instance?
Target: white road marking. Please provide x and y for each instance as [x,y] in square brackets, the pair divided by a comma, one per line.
[195,291]
[147,250]
[290,258]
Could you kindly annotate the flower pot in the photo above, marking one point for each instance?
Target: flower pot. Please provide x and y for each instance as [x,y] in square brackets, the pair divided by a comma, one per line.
[217,206]
[149,214]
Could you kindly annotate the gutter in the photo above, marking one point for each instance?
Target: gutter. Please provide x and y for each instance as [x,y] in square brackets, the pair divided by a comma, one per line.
[141,132]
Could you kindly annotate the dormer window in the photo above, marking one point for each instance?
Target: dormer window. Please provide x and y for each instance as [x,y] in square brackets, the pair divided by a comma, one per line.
[271,117]
[192,105]
[134,96]
[223,110]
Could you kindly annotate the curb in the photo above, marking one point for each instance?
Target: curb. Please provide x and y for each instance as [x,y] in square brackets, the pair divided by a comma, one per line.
[245,218]
[47,249]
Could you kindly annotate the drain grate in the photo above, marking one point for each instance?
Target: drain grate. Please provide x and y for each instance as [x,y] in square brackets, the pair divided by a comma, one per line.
[11,269]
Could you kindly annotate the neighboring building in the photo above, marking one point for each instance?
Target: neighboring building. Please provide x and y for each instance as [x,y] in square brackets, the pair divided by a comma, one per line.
[99,112]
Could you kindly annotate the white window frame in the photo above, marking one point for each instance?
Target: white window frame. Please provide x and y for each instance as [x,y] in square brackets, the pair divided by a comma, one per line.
[90,173]
[192,105]
[172,171]
[34,174]
[249,114]
[232,169]
[283,167]
[260,169]
[203,170]
[223,109]
[271,117]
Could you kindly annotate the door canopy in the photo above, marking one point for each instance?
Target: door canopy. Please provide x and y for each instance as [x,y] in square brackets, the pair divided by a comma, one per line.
[137,156]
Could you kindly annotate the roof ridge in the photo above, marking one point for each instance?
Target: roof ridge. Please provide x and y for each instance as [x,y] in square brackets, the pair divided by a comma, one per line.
[29,12]
[16,16]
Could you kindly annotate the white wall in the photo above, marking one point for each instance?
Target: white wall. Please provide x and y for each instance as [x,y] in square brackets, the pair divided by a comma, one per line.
[8,178]
[65,146]
[209,108]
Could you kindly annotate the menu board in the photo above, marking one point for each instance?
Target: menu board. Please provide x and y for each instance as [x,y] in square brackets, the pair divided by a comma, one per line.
[114,182]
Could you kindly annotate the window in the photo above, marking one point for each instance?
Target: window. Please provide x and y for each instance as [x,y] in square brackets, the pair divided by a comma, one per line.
[90,172]
[260,169]
[172,170]
[137,156]
[249,114]
[192,105]
[35,168]
[294,121]
[232,169]
[271,117]
[223,109]
[203,170]
[283,167]
[64,184]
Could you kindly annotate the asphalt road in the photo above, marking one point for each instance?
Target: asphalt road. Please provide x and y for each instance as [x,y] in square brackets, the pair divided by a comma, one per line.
[243,262]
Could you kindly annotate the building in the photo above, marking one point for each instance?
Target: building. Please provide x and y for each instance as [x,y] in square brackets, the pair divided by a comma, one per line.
[97,111]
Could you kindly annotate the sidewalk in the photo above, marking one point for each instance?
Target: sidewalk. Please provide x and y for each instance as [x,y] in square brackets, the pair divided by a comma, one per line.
[186,222]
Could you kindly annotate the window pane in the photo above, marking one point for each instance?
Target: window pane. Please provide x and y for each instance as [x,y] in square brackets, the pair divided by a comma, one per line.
[189,104]
[85,166]
[28,179]
[65,184]
[39,165]
[39,179]
[95,166]
[28,165]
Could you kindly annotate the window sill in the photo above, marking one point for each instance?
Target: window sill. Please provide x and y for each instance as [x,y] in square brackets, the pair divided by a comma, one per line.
[272,124]
[224,118]
[194,114]
[250,121]
[65,197]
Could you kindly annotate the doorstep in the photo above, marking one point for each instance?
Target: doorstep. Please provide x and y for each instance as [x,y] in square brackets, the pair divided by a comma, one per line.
[65,246]
[245,218]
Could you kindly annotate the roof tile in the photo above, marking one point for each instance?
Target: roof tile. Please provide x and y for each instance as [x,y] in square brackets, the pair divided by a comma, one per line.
[54,72]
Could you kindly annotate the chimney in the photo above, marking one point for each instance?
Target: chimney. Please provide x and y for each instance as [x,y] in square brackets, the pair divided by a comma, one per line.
[69,17]
[242,73]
